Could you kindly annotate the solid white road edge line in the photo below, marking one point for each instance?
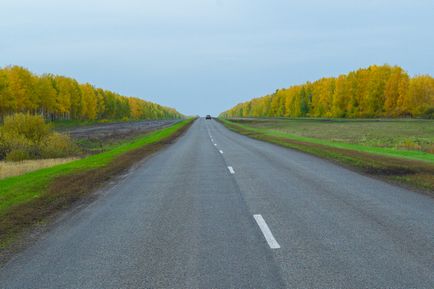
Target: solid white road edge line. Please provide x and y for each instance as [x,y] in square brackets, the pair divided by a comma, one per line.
[231,170]
[221,151]
[266,231]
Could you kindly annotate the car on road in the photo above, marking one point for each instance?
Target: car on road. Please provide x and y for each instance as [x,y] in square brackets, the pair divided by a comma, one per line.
[207,116]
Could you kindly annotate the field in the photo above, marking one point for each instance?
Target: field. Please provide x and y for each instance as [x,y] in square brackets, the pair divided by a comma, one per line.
[406,138]
[29,198]
[398,134]
[398,150]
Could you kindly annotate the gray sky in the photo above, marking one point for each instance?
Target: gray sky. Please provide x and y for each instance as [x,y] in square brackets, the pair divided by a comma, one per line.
[205,56]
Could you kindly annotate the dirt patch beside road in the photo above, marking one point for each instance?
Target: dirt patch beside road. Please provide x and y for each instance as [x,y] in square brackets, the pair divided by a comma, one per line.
[114,130]
[95,138]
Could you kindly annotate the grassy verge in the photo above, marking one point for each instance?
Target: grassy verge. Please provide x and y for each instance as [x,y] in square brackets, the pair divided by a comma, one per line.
[32,197]
[412,168]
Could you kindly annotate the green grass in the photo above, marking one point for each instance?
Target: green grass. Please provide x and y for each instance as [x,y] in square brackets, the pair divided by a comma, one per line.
[20,189]
[387,138]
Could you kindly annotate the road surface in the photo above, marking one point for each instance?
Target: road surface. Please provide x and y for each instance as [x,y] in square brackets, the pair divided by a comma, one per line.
[220,210]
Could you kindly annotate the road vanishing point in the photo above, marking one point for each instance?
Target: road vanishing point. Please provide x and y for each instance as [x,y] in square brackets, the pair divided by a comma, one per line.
[220,210]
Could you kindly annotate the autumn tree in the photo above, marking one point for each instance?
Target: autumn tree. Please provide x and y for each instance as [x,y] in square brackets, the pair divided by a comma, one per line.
[59,97]
[421,95]
[376,91]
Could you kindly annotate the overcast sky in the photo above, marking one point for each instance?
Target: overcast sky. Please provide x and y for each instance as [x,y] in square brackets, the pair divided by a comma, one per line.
[204,56]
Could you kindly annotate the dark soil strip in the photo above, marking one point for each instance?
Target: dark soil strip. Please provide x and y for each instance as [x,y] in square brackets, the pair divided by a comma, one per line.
[409,173]
[64,191]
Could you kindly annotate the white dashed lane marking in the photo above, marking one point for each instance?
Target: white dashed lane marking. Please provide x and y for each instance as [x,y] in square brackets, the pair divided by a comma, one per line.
[267,232]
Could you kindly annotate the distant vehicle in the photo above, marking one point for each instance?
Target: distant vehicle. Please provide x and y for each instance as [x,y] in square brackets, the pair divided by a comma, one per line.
[208,116]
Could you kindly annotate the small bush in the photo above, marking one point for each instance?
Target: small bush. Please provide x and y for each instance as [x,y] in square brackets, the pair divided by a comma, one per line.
[409,145]
[58,145]
[25,136]
[17,155]
[10,142]
[32,127]
[429,113]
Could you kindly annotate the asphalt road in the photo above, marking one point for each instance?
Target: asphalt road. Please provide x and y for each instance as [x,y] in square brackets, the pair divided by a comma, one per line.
[238,214]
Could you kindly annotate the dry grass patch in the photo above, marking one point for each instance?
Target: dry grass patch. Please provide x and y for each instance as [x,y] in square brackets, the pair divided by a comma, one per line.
[10,169]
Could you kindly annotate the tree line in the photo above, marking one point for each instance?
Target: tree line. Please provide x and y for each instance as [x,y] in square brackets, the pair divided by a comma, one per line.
[376,91]
[63,98]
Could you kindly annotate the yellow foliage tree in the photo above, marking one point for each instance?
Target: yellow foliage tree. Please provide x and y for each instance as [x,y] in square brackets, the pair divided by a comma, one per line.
[376,91]
[59,97]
